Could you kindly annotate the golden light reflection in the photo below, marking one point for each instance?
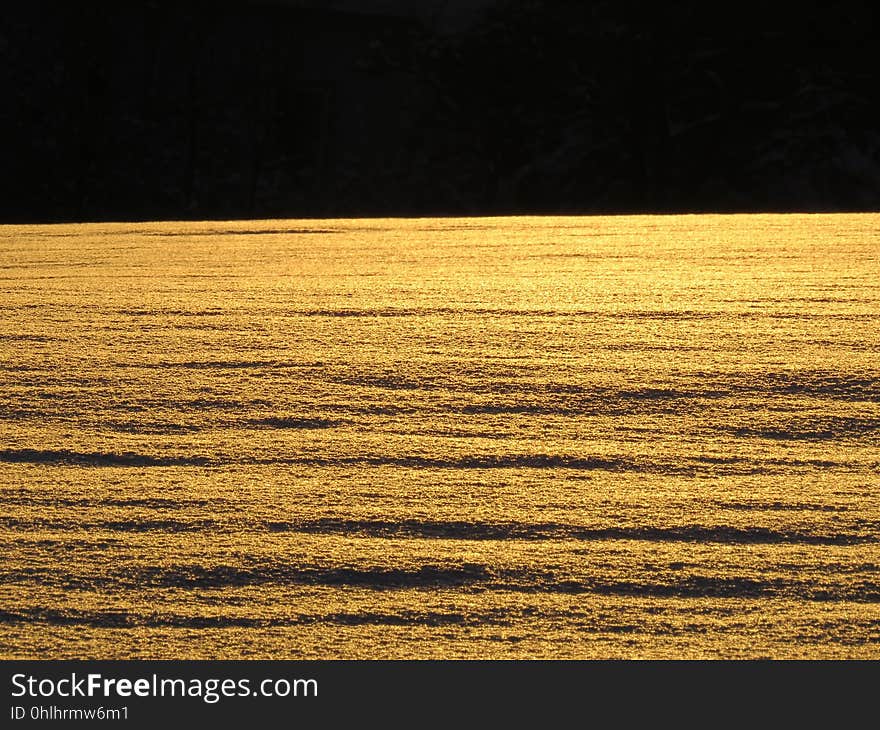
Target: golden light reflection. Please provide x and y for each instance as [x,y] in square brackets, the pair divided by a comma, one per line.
[454,438]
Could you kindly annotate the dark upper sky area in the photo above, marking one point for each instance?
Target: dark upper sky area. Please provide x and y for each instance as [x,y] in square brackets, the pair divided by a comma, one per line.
[153,109]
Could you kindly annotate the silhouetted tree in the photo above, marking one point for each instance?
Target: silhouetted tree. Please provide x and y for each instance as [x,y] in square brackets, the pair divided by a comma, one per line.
[159,109]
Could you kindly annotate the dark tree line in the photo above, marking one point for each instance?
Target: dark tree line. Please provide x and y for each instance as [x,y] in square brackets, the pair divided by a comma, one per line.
[159,109]
[695,106]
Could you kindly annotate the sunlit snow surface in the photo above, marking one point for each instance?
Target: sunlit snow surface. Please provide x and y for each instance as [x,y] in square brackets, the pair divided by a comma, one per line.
[485,438]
